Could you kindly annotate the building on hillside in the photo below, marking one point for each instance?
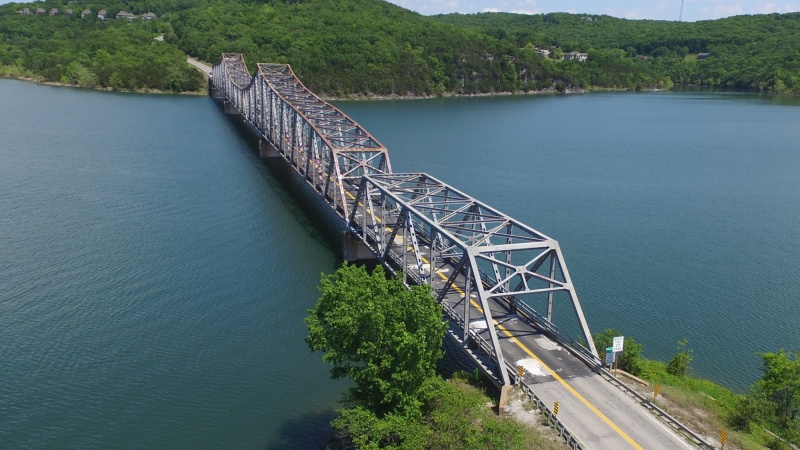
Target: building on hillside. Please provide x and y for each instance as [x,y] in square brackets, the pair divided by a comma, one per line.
[587,18]
[148,16]
[125,15]
[703,55]
[86,12]
[543,52]
[68,12]
[25,12]
[576,55]
[53,11]
[39,11]
[102,15]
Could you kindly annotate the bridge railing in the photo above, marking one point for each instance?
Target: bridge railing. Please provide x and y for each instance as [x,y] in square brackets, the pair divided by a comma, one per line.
[329,150]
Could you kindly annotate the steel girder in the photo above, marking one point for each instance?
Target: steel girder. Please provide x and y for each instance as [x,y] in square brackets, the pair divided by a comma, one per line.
[436,235]
[330,150]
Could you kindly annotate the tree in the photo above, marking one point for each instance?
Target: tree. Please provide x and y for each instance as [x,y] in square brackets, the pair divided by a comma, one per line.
[679,365]
[781,384]
[631,360]
[384,336]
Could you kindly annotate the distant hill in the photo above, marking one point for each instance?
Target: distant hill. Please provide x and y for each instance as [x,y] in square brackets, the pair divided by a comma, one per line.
[371,47]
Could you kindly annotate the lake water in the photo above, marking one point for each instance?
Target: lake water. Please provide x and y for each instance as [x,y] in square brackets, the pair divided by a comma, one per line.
[154,273]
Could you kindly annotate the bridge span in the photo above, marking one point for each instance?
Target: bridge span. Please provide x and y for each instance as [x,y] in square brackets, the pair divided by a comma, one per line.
[491,274]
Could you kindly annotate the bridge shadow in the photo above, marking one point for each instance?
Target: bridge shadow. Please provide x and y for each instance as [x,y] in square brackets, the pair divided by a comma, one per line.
[312,214]
[309,431]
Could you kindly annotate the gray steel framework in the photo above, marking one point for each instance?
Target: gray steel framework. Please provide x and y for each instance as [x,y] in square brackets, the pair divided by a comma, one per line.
[436,235]
[330,150]
[419,227]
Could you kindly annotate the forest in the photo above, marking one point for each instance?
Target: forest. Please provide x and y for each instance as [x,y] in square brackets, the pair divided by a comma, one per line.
[345,48]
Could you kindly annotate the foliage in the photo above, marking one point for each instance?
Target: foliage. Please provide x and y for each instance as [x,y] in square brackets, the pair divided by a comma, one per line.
[774,400]
[385,337]
[456,416]
[679,365]
[631,360]
[92,53]
[364,47]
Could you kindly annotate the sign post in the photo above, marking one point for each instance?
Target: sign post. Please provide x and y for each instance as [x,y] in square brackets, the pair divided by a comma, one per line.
[618,346]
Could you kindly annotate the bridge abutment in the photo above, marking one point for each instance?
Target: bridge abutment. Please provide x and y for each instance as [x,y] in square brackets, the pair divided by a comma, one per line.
[354,249]
[267,150]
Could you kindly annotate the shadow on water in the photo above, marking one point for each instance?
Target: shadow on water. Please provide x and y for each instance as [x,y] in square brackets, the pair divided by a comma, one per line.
[309,431]
[313,215]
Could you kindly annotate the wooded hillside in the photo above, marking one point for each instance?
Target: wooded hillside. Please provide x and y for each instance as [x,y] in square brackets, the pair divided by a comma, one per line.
[371,47]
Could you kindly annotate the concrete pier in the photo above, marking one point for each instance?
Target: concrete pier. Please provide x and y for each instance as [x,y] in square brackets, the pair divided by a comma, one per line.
[354,249]
[266,150]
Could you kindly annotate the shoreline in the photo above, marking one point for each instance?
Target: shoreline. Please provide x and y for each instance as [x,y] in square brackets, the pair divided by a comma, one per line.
[327,98]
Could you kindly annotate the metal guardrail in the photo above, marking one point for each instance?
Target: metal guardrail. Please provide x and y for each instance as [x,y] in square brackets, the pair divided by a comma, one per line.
[644,401]
[552,419]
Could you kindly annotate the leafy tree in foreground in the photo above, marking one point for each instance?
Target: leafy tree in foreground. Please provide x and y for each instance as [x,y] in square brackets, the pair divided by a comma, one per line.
[385,337]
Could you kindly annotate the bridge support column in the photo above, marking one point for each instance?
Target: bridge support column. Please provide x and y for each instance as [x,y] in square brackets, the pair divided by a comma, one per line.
[266,150]
[504,390]
[354,249]
[230,109]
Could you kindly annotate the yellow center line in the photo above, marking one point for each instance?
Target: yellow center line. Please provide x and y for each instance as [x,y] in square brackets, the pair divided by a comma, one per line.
[532,355]
[569,388]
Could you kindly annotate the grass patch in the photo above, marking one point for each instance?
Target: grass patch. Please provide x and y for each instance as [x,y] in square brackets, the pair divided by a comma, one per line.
[702,405]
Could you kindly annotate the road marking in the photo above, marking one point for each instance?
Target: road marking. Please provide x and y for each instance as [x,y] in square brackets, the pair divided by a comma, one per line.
[570,388]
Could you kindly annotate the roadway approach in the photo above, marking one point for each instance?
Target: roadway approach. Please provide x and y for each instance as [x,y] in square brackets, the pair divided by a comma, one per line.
[485,269]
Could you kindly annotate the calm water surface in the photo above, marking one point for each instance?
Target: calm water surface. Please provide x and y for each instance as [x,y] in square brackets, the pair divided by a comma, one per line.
[154,274]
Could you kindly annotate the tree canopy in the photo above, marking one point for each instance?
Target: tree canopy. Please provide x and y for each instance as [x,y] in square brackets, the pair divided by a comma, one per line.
[372,47]
[384,336]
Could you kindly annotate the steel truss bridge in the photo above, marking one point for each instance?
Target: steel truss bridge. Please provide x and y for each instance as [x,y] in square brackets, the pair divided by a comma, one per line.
[490,273]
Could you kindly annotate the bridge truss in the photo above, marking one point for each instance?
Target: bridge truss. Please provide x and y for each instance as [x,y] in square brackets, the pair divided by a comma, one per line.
[326,147]
[477,261]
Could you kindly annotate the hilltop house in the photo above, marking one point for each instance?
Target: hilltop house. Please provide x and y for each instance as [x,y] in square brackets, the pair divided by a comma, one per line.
[39,11]
[102,15]
[576,55]
[86,12]
[25,11]
[703,55]
[543,52]
[148,16]
[125,15]
[54,11]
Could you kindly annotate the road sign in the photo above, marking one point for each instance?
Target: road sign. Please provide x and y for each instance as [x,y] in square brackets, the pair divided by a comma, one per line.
[521,371]
[724,436]
[610,355]
[619,342]
[555,408]
[655,391]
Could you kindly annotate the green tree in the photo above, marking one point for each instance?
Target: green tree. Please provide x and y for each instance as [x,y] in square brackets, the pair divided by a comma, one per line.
[679,365]
[781,385]
[631,360]
[384,336]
